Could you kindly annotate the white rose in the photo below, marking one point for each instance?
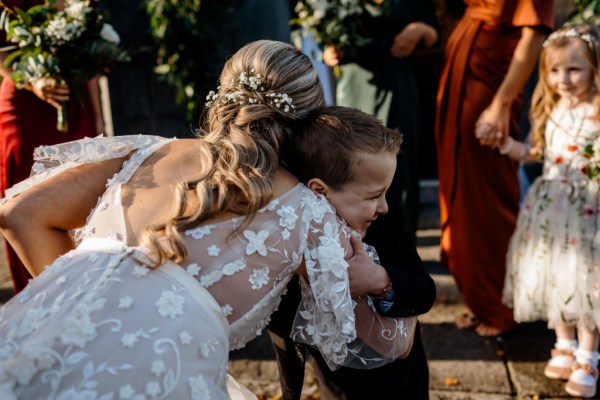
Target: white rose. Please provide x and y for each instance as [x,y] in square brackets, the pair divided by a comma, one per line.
[109,34]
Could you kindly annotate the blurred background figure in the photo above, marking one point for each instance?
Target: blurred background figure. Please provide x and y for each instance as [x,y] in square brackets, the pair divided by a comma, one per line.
[489,57]
[378,78]
[28,119]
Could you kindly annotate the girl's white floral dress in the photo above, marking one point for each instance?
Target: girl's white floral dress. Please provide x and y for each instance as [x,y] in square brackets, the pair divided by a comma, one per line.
[553,261]
[99,324]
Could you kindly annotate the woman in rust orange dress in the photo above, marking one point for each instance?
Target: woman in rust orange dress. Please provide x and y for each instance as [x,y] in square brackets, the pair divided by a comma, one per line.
[488,59]
[28,120]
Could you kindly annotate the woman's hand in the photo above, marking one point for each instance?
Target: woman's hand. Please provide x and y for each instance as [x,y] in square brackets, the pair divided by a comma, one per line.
[365,276]
[332,56]
[492,127]
[51,92]
[411,36]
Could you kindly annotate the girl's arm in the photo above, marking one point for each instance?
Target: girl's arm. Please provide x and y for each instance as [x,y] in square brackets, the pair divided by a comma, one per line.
[493,125]
[37,222]
[516,150]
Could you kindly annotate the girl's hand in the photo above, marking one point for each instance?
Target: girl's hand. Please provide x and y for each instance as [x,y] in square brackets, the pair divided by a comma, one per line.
[364,274]
[332,56]
[51,92]
[492,127]
[406,41]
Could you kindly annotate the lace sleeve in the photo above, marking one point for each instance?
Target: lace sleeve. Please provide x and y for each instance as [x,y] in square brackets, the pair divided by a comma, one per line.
[346,332]
[49,161]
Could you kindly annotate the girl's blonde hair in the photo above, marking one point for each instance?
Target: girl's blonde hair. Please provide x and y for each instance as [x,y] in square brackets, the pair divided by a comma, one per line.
[241,140]
[544,97]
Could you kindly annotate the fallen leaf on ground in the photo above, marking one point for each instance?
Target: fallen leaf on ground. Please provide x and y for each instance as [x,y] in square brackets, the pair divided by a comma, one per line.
[450,381]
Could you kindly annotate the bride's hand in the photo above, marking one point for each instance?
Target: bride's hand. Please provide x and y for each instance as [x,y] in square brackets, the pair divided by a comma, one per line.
[51,92]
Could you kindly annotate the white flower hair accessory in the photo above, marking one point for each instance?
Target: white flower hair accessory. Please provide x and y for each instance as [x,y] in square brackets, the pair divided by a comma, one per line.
[569,33]
[250,82]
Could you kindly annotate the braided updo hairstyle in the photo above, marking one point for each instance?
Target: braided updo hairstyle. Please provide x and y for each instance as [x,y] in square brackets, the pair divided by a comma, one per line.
[241,140]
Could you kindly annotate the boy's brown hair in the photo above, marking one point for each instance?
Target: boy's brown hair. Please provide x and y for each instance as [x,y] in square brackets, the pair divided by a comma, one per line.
[325,144]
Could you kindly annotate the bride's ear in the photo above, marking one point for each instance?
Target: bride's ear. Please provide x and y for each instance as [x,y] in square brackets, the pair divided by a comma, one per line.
[318,186]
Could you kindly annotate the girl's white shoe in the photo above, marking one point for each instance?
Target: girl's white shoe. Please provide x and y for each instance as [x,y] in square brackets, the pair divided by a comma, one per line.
[560,365]
[583,381]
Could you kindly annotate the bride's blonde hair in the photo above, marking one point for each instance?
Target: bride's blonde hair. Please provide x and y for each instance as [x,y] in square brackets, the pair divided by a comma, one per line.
[242,137]
[544,97]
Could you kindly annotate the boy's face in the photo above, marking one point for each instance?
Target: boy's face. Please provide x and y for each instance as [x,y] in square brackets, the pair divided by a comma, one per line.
[360,201]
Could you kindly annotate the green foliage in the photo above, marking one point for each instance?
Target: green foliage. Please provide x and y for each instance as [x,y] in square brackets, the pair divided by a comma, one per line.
[188,33]
[587,11]
[71,46]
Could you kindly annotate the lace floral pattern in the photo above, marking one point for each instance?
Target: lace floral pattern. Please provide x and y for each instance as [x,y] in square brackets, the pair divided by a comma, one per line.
[101,310]
[553,264]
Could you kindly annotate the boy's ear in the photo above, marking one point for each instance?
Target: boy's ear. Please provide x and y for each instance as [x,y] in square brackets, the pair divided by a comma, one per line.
[318,186]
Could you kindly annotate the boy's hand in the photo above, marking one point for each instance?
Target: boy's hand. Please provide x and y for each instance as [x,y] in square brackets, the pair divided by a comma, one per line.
[365,276]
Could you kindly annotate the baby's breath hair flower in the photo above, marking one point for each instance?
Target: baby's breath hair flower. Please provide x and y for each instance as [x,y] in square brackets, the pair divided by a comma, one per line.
[248,82]
[569,33]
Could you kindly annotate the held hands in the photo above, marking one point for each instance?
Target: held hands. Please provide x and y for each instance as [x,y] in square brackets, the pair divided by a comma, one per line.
[365,276]
[51,92]
[491,129]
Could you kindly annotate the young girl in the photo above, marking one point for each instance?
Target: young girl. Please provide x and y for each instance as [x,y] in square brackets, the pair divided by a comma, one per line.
[553,265]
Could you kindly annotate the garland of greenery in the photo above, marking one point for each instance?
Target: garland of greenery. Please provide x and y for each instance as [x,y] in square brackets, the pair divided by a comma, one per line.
[187,36]
[585,11]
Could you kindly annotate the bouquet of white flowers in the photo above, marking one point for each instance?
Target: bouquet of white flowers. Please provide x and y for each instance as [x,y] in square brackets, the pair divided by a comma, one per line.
[69,46]
[335,23]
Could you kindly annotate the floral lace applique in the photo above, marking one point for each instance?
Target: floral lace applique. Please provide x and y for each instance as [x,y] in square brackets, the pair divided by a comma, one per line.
[193,269]
[213,250]
[170,304]
[259,278]
[198,388]
[256,242]
[199,233]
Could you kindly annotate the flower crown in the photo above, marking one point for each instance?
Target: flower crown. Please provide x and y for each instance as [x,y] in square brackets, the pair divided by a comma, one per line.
[251,82]
[569,33]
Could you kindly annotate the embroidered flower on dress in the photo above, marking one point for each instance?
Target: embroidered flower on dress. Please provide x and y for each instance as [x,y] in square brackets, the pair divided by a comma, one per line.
[129,340]
[272,205]
[198,233]
[126,392]
[185,338]
[60,280]
[199,388]
[153,389]
[170,304]
[256,242]
[227,310]
[158,368]
[285,235]
[139,271]
[193,269]
[588,211]
[78,328]
[234,266]
[259,278]
[213,251]
[125,303]
[207,348]
[21,368]
[287,216]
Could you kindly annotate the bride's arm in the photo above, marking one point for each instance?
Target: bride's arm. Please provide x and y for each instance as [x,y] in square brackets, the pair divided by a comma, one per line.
[37,222]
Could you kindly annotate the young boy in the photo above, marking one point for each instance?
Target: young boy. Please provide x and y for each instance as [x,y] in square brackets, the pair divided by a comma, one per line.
[350,158]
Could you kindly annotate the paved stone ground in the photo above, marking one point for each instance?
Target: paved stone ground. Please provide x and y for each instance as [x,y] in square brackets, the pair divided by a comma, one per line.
[463,366]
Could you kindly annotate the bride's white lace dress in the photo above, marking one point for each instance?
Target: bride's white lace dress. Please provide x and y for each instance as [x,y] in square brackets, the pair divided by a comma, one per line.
[100,324]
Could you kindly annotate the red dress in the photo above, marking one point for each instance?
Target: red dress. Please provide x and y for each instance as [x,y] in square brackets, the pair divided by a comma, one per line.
[27,122]
[479,190]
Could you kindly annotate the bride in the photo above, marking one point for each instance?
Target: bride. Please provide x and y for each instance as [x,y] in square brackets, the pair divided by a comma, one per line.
[182,250]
